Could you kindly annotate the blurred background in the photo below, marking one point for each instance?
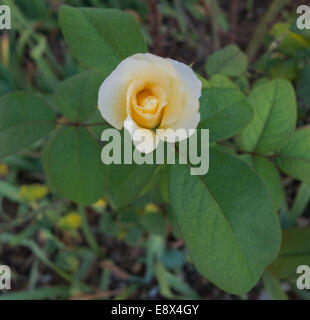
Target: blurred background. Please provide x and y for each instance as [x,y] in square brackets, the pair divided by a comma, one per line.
[58,251]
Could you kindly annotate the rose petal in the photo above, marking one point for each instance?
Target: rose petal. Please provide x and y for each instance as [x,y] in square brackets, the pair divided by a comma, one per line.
[191,93]
[160,94]
[113,93]
[134,88]
[157,61]
[145,140]
[175,103]
[191,83]
[189,119]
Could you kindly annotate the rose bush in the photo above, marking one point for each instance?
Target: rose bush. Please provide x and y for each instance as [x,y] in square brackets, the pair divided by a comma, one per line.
[228,217]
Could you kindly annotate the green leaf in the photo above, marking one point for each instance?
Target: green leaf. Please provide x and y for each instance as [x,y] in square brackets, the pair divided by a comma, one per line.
[303,85]
[24,119]
[107,225]
[300,203]
[259,82]
[97,123]
[295,251]
[224,111]
[273,287]
[173,259]
[33,10]
[227,220]
[77,97]
[101,38]
[72,161]
[126,181]
[271,177]
[181,286]
[284,68]
[163,284]
[243,83]
[294,157]
[275,117]
[229,61]
[219,81]
[38,294]
[10,191]
[154,222]
[290,43]
[174,224]
[164,182]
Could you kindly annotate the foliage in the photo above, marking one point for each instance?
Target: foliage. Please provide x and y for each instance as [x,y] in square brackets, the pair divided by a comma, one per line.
[232,219]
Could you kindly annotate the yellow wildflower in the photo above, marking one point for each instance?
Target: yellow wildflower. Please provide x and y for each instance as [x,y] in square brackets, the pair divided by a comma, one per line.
[4,170]
[100,204]
[151,207]
[33,192]
[70,221]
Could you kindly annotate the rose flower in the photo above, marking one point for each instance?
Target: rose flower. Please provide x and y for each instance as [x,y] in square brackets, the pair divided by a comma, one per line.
[146,92]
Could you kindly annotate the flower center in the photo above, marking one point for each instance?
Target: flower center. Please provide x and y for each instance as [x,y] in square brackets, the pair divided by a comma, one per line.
[146,102]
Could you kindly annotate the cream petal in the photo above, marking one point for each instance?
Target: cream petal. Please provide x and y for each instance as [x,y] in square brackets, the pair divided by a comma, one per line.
[154,70]
[188,120]
[113,93]
[175,103]
[190,81]
[185,96]
[160,94]
[145,140]
[157,61]
[132,91]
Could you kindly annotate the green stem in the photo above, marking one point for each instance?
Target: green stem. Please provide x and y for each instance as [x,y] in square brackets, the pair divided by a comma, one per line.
[262,28]
[300,203]
[39,253]
[87,232]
